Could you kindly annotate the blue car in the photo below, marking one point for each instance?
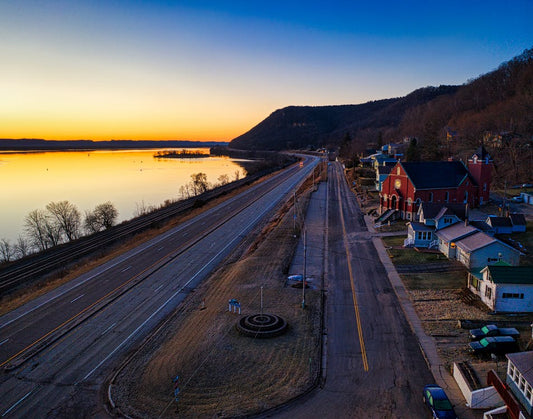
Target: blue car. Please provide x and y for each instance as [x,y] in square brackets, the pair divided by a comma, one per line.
[435,398]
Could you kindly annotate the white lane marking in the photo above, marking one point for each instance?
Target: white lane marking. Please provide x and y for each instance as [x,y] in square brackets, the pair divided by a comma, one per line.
[110,327]
[237,237]
[4,341]
[125,269]
[16,404]
[161,248]
[77,298]
[142,248]
[158,287]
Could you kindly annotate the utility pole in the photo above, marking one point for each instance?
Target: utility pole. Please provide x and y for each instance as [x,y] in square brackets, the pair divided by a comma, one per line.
[305,263]
[294,214]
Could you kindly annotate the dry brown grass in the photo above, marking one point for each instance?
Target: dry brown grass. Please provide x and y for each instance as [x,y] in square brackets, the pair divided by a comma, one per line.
[221,372]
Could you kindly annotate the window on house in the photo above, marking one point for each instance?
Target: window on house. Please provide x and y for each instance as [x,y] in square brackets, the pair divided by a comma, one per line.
[484,187]
[398,170]
[488,292]
[510,370]
[517,295]
[528,392]
[522,383]
[419,235]
[489,260]
[466,197]
[447,196]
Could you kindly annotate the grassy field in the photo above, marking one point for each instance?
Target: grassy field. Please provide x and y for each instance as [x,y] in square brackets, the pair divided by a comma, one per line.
[224,374]
[435,280]
[409,256]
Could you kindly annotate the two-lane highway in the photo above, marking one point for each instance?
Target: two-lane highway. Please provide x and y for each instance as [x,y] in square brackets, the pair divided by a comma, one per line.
[374,366]
[58,348]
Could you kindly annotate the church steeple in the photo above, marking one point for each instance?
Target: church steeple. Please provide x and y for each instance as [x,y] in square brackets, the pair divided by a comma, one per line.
[480,167]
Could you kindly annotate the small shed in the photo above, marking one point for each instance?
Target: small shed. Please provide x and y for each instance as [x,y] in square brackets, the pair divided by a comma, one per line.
[500,225]
[518,222]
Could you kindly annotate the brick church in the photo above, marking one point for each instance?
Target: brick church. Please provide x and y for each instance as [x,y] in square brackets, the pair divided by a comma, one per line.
[411,183]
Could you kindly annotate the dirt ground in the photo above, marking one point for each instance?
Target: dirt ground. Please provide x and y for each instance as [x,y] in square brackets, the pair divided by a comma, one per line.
[440,312]
[218,368]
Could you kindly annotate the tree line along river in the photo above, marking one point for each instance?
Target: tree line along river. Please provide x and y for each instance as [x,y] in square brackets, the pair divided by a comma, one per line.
[132,180]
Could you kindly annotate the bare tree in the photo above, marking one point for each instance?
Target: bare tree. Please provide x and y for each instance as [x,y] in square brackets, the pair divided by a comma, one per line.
[22,247]
[185,191]
[223,179]
[7,252]
[67,218]
[103,217]
[35,226]
[90,223]
[200,184]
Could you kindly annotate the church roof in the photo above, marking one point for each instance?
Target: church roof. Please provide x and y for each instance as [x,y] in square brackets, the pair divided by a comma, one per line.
[436,174]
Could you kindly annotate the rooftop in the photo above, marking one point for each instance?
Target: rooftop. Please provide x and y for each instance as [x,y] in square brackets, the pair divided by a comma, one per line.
[524,362]
[475,241]
[436,174]
[500,274]
[456,232]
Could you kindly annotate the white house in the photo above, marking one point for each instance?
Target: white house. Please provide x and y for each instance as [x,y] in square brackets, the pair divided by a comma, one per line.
[504,288]
[450,235]
[480,249]
[520,378]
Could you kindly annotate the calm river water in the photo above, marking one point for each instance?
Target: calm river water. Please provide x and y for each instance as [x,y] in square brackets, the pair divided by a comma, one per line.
[127,178]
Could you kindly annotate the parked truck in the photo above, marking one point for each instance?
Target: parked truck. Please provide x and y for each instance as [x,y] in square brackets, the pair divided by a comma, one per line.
[493,330]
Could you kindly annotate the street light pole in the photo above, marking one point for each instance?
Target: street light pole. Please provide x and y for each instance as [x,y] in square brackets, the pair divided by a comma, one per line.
[305,273]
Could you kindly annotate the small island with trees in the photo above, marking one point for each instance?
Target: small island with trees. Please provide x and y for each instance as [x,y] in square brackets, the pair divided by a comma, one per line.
[180,154]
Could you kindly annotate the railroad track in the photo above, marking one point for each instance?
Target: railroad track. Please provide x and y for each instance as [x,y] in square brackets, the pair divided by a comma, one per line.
[28,269]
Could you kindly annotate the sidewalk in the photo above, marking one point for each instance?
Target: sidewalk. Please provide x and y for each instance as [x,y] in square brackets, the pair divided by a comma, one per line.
[442,377]
[315,227]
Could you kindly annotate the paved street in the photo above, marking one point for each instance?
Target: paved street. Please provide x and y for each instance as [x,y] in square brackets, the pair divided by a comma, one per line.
[374,367]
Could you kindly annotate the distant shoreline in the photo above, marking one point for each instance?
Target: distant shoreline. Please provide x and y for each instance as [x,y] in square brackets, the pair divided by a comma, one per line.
[88,145]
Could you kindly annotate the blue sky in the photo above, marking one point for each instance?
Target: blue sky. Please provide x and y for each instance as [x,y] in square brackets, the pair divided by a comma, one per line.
[211,70]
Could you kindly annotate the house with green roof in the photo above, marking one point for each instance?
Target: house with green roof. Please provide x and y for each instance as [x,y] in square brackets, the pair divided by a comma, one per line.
[504,288]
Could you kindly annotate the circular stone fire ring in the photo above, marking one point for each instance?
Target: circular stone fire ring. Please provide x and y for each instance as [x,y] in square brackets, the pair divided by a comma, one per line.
[262,325]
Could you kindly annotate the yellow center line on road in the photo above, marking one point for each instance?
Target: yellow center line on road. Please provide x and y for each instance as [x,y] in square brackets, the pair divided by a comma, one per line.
[350,271]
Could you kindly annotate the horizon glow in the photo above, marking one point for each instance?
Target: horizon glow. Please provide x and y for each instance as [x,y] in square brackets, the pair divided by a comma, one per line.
[211,70]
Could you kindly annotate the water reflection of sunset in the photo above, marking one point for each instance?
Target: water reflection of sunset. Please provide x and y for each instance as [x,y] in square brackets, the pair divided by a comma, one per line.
[126,177]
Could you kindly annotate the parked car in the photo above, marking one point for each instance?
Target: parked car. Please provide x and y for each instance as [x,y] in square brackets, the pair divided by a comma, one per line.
[436,399]
[517,198]
[493,330]
[498,345]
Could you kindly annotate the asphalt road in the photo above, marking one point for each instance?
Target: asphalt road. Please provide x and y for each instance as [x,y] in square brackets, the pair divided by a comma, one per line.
[374,366]
[57,350]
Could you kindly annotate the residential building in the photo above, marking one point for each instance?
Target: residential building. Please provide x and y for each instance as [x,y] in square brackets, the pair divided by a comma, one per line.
[449,236]
[504,288]
[480,249]
[500,225]
[519,222]
[520,378]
